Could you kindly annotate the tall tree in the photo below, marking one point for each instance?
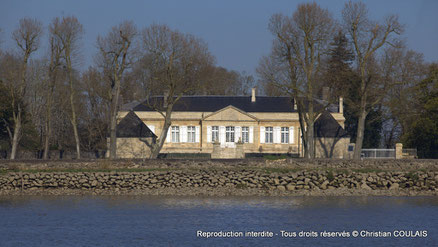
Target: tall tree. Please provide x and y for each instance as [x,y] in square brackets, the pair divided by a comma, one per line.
[27,38]
[95,118]
[367,38]
[300,43]
[54,69]
[405,69]
[339,76]
[172,61]
[114,59]
[69,34]
[422,132]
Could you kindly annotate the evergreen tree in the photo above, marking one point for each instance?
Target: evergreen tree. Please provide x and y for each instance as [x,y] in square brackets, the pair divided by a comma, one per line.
[423,133]
[344,82]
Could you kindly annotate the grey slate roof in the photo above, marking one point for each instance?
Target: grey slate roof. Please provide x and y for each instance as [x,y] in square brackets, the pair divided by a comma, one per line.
[132,126]
[215,103]
[327,126]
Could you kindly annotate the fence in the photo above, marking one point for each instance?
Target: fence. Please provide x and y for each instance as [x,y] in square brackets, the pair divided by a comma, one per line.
[54,154]
[378,153]
[410,152]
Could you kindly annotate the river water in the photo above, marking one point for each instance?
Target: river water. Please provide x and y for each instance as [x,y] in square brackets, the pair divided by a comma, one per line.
[187,221]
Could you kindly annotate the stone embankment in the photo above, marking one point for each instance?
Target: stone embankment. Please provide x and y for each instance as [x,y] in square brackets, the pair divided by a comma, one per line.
[275,178]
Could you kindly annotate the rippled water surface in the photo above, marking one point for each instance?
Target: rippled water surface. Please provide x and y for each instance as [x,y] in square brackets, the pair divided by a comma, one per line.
[175,221]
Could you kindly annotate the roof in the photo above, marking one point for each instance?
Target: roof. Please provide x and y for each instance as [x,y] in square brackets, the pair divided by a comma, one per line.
[327,126]
[215,103]
[132,126]
[129,106]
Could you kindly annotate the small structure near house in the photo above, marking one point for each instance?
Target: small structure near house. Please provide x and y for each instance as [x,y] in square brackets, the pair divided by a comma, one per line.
[331,140]
[133,137]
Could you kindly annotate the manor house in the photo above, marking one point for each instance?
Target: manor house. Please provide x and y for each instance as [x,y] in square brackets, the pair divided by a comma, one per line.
[230,127]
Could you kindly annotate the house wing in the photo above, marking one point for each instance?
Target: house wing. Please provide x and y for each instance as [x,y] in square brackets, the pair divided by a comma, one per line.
[327,126]
[230,113]
[132,126]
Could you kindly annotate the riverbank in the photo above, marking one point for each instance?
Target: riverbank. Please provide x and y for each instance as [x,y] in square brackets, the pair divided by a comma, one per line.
[221,178]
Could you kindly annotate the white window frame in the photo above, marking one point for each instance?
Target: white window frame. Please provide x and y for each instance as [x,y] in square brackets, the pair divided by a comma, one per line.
[245,134]
[229,134]
[269,134]
[175,134]
[285,135]
[214,133]
[191,134]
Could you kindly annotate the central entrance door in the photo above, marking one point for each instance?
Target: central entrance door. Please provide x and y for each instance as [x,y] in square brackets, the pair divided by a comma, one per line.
[230,136]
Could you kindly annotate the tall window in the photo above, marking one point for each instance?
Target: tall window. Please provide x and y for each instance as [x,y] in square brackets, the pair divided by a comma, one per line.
[215,134]
[229,134]
[245,134]
[269,135]
[191,134]
[175,133]
[284,134]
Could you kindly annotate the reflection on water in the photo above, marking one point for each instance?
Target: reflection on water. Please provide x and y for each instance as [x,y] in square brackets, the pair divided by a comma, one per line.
[174,221]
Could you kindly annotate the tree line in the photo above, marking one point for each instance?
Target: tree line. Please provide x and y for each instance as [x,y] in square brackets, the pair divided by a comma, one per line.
[390,92]
[48,103]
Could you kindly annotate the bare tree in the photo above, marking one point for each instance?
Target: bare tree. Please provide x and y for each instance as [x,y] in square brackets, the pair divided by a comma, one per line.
[294,65]
[172,61]
[114,58]
[98,105]
[56,52]
[404,69]
[367,37]
[27,38]
[69,34]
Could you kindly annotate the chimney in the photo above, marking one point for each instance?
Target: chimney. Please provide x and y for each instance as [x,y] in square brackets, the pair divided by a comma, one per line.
[295,105]
[165,96]
[341,105]
[325,93]
[253,94]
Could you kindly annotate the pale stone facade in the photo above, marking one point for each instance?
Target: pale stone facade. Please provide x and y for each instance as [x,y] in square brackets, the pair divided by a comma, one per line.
[259,132]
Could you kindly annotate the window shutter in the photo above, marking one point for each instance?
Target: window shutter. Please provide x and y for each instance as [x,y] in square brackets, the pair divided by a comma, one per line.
[222,134]
[209,133]
[183,133]
[197,134]
[169,135]
[237,133]
[291,135]
[152,128]
[262,134]
[277,134]
[251,134]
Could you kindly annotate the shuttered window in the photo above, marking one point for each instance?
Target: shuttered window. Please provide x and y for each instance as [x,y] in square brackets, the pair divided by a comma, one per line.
[284,134]
[215,133]
[229,134]
[191,134]
[269,135]
[245,134]
[175,133]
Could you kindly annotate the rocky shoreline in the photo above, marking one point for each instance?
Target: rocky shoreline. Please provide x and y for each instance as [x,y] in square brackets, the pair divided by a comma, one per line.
[276,178]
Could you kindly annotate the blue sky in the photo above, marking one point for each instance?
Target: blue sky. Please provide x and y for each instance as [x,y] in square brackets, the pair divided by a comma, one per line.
[236,31]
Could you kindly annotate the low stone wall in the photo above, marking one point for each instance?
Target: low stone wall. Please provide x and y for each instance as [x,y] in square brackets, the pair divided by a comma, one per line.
[222,182]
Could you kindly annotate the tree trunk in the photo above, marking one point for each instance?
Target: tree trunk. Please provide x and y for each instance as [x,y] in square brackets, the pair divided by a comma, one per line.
[16,136]
[47,125]
[47,135]
[72,103]
[360,134]
[75,129]
[113,122]
[310,141]
[156,147]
